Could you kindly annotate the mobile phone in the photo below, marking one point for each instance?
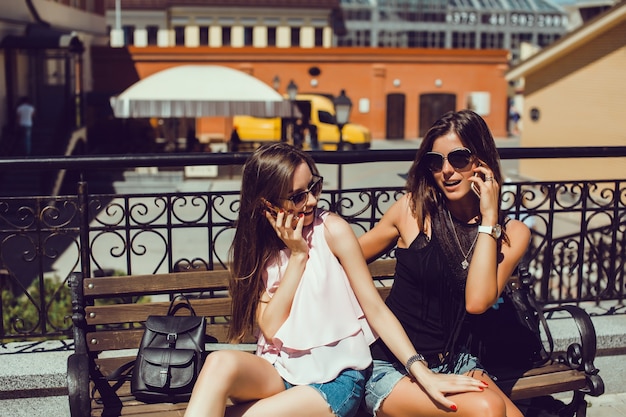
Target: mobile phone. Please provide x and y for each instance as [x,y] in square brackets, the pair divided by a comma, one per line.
[270,207]
[273,210]
[474,186]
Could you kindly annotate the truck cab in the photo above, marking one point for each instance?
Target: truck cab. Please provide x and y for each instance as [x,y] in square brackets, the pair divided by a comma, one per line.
[318,111]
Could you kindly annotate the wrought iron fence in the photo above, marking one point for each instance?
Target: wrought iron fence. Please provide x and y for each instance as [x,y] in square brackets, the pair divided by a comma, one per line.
[578,245]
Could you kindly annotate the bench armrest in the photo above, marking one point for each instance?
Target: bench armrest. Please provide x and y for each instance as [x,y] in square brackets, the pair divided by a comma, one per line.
[580,355]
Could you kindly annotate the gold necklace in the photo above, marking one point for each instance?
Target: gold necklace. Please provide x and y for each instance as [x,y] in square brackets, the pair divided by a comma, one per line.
[465,263]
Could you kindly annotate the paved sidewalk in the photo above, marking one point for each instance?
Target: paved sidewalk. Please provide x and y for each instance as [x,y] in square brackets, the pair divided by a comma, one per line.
[607,405]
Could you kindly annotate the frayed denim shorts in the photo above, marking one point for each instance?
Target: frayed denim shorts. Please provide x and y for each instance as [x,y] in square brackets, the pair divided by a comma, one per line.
[344,393]
[386,375]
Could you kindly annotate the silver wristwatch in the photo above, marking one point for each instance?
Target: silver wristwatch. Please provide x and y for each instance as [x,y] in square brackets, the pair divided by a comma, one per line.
[418,357]
[493,231]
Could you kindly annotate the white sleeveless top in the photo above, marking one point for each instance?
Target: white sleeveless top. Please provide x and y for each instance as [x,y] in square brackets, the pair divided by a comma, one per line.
[326,330]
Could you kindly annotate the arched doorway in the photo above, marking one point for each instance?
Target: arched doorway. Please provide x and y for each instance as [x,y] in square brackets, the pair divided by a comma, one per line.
[432,107]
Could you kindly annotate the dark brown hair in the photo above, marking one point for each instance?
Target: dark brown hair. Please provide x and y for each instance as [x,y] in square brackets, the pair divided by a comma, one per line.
[268,173]
[474,134]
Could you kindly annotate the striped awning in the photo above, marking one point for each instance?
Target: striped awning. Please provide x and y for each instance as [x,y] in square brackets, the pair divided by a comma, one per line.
[200,91]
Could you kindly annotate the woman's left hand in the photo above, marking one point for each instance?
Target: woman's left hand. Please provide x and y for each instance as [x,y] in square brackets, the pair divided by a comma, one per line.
[438,386]
[489,193]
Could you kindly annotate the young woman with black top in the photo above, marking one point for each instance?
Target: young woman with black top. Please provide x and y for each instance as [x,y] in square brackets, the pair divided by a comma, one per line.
[455,253]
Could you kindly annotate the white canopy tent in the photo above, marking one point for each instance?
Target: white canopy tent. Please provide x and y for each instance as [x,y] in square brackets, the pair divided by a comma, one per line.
[200,91]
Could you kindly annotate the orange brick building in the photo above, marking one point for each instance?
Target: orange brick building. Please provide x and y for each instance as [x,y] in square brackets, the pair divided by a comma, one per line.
[397,93]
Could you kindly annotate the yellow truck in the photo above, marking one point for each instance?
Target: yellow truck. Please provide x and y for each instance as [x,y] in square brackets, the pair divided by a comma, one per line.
[320,112]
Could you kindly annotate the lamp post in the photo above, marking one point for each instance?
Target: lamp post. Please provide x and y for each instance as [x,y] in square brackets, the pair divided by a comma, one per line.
[343,105]
[292,92]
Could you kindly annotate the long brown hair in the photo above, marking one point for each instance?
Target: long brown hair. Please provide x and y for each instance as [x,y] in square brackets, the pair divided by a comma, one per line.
[268,173]
[474,134]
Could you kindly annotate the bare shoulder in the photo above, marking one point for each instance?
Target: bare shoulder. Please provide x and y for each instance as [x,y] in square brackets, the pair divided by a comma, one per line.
[514,226]
[400,208]
[336,224]
[339,235]
[517,232]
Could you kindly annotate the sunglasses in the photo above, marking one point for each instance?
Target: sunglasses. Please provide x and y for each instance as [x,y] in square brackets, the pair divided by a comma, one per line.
[459,158]
[300,198]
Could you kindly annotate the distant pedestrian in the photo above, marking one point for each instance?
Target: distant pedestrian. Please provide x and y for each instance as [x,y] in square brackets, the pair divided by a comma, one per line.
[313,136]
[235,140]
[25,113]
[515,118]
[298,134]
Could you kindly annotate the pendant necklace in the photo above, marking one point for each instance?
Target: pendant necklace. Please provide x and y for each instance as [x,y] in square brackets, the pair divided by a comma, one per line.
[465,263]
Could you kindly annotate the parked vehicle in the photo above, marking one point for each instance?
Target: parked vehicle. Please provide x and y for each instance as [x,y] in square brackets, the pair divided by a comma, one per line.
[318,112]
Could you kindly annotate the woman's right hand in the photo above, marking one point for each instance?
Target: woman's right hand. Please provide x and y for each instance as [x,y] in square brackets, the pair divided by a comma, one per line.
[438,386]
[290,235]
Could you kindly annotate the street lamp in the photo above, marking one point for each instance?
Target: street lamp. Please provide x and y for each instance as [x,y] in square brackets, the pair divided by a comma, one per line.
[292,92]
[343,105]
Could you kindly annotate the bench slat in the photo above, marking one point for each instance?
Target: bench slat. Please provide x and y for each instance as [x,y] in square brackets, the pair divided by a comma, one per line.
[133,407]
[104,340]
[545,384]
[154,284]
[138,312]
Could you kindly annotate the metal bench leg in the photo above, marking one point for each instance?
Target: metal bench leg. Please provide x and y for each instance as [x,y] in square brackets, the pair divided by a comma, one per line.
[577,407]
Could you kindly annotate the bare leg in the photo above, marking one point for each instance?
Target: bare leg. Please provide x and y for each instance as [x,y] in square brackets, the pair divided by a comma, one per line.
[301,401]
[232,374]
[408,399]
[511,409]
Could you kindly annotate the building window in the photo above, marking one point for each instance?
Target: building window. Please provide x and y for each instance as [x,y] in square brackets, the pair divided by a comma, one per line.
[295,36]
[425,39]
[545,39]
[492,41]
[516,42]
[54,69]
[463,40]
[363,15]
[152,33]
[355,38]
[247,36]
[344,41]
[386,38]
[204,35]
[179,35]
[363,38]
[226,35]
[319,36]
[129,34]
[271,36]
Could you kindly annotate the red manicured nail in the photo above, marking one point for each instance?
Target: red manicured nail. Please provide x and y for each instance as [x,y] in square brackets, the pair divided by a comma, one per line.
[453,407]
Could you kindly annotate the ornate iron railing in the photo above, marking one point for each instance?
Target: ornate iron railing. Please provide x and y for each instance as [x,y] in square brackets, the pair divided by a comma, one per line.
[578,245]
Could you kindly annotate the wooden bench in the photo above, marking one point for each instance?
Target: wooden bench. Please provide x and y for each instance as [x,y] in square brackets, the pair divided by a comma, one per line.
[108,312]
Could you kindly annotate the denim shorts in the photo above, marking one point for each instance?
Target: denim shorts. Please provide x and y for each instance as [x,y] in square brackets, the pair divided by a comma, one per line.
[386,375]
[344,393]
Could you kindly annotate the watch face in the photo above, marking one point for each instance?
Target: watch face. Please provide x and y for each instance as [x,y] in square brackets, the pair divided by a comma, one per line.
[497,231]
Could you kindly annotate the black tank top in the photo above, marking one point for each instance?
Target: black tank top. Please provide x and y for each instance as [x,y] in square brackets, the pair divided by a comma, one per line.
[426,298]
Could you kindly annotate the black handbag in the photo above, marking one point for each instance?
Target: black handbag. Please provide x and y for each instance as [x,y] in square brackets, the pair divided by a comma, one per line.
[170,356]
[507,337]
